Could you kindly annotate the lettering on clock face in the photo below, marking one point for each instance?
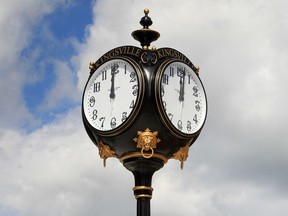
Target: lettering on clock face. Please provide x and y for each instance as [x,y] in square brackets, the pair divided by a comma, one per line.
[111,94]
[183,98]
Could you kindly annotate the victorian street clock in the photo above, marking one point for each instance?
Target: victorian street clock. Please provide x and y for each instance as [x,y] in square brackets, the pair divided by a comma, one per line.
[144,106]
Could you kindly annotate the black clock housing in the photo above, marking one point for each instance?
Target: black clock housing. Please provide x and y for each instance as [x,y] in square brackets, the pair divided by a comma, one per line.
[148,113]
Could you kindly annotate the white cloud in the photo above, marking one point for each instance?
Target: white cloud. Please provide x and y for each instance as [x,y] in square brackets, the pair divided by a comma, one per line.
[63,91]
[57,166]
[17,20]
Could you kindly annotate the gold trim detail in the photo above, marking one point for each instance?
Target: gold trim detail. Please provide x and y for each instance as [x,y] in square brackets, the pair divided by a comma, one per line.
[143,188]
[92,67]
[147,141]
[138,154]
[147,56]
[143,196]
[197,69]
[146,11]
[105,152]
[182,154]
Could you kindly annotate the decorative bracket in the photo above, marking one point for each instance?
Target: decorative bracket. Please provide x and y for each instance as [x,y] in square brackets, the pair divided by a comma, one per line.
[182,154]
[105,152]
[147,141]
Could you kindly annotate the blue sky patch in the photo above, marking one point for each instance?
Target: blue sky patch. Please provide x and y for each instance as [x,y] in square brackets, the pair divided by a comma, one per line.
[52,40]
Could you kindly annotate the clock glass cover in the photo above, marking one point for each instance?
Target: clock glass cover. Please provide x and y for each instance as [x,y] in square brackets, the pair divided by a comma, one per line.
[112,95]
[181,98]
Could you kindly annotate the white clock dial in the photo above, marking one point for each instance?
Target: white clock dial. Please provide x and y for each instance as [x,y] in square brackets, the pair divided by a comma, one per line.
[181,97]
[111,94]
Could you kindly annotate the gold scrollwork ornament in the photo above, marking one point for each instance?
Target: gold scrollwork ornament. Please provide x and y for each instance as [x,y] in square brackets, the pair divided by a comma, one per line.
[148,56]
[105,152]
[147,141]
[182,154]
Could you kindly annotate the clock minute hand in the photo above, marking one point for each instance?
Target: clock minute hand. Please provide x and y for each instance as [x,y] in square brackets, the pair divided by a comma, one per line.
[182,83]
[113,72]
[112,89]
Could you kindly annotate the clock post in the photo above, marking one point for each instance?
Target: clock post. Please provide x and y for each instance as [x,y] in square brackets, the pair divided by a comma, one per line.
[144,106]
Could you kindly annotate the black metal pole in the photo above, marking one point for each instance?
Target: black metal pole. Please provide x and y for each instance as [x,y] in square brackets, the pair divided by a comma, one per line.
[143,207]
[143,170]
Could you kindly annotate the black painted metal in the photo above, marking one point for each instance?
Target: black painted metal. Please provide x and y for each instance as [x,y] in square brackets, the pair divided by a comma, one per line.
[145,36]
[143,170]
[148,116]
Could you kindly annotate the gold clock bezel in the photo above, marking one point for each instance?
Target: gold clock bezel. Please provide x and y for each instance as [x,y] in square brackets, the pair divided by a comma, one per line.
[134,113]
[162,113]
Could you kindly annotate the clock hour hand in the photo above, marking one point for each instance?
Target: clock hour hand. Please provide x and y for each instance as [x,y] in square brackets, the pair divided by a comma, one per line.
[114,70]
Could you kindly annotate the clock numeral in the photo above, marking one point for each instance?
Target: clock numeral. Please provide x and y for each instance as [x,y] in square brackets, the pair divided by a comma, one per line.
[135,90]
[104,75]
[180,72]
[189,78]
[133,76]
[195,119]
[113,123]
[132,104]
[124,116]
[170,116]
[195,91]
[165,79]
[103,120]
[171,71]
[180,125]
[197,107]
[97,87]
[125,69]
[189,126]
[92,101]
[114,69]
[164,105]
[94,116]
[162,91]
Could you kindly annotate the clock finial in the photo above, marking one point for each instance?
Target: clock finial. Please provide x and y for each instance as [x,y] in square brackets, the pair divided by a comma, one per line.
[146,20]
[146,11]
[145,35]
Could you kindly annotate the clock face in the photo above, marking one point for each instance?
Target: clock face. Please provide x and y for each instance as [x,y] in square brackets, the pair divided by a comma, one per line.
[112,95]
[181,98]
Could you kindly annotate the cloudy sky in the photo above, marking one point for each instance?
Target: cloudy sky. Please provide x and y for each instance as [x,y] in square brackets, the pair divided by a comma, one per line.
[238,166]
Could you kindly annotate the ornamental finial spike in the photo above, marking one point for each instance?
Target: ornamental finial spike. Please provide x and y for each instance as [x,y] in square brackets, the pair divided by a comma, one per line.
[145,35]
[146,20]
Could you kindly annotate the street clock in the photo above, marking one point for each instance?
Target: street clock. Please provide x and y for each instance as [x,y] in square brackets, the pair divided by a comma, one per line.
[144,106]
